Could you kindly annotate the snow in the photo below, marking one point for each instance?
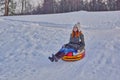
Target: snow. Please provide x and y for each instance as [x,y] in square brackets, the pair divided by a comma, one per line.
[27,41]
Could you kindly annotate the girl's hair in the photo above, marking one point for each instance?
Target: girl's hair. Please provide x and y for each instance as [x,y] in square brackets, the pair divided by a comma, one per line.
[77,33]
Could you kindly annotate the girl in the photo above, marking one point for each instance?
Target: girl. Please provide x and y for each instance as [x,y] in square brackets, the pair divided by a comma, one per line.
[76,44]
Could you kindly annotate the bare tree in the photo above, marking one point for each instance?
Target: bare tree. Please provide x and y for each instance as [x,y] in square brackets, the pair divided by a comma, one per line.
[6,7]
[118,4]
[26,6]
[22,5]
[49,6]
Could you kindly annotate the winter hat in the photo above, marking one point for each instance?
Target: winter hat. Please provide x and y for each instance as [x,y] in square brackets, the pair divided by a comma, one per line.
[78,25]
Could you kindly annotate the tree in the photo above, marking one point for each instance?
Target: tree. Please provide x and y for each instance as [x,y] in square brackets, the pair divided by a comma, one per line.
[100,6]
[26,6]
[12,7]
[81,5]
[49,6]
[2,6]
[118,4]
[66,6]
[62,5]
[23,4]
[104,6]
[93,5]
[6,7]
[87,5]
[111,4]
[2,2]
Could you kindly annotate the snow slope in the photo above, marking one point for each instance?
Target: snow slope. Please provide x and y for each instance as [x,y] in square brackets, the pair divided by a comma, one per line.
[27,41]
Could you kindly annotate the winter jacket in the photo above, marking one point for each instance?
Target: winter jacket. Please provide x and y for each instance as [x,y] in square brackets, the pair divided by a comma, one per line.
[76,43]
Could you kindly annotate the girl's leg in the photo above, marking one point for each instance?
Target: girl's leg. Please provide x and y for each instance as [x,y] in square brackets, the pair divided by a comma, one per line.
[67,50]
[59,55]
[62,52]
[56,57]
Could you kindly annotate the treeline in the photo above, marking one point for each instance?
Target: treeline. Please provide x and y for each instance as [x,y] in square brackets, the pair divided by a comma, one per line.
[57,6]
[15,7]
[53,6]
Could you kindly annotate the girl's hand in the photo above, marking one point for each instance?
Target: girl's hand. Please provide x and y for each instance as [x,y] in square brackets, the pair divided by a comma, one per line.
[78,51]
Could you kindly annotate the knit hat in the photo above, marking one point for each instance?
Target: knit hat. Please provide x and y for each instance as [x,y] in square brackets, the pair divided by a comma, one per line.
[78,25]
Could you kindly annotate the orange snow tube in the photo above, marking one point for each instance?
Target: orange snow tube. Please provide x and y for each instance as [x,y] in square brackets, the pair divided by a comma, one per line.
[70,57]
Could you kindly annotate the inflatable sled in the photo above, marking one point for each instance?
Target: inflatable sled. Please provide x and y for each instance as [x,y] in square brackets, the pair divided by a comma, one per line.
[70,57]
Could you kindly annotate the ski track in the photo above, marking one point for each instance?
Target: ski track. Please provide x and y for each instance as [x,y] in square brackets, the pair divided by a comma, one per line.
[25,47]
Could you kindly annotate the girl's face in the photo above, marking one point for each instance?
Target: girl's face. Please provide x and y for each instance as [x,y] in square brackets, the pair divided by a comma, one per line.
[75,29]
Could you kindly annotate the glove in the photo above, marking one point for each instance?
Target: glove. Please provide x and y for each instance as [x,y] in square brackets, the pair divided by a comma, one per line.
[64,45]
[78,51]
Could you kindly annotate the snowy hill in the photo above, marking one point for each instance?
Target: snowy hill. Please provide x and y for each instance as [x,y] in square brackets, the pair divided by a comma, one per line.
[27,41]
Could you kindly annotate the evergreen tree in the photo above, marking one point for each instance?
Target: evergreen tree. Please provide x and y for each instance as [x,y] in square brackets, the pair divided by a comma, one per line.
[111,4]
[77,5]
[87,5]
[100,5]
[93,5]
[2,6]
[64,6]
[12,7]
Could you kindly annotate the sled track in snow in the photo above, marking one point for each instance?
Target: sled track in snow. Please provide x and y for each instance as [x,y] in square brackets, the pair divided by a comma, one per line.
[46,24]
